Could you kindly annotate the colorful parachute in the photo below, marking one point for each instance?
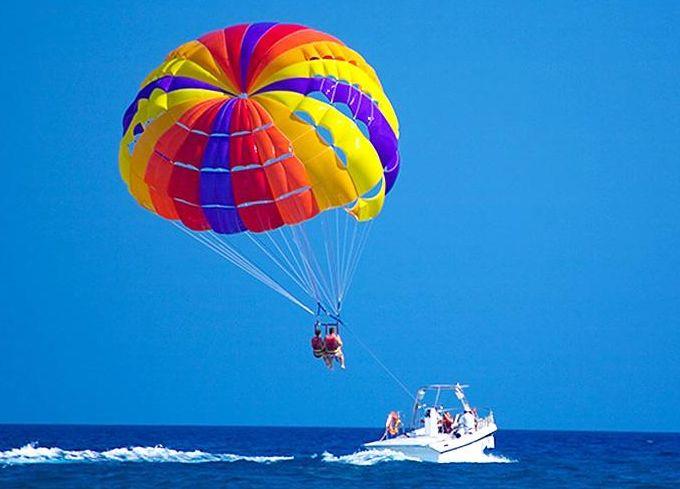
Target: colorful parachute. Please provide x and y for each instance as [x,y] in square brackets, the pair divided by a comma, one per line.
[252,135]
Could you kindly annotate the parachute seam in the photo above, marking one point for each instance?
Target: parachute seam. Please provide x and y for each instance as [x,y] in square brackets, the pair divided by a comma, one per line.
[217,64]
[235,169]
[271,48]
[263,127]
[245,204]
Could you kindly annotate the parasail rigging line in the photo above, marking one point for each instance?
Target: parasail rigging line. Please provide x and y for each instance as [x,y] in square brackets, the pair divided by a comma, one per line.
[323,273]
[294,265]
[309,258]
[328,248]
[364,240]
[379,362]
[300,267]
[348,255]
[264,250]
[228,252]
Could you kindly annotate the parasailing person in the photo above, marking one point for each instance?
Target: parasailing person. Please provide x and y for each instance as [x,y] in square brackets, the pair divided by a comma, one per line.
[319,347]
[334,348]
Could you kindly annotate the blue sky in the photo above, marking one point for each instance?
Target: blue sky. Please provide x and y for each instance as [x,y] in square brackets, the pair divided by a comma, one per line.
[534,230]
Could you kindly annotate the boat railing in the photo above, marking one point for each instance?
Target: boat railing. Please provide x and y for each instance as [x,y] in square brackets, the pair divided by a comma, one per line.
[483,422]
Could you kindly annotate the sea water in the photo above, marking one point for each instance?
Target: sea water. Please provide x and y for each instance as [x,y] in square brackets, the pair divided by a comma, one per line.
[194,457]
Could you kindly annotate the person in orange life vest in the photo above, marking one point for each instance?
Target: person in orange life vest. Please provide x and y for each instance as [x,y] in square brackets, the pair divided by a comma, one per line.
[319,347]
[447,422]
[392,425]
[334,347]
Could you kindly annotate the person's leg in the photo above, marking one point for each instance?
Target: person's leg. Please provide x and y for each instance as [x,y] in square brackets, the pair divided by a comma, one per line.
[328,361]
[341,358]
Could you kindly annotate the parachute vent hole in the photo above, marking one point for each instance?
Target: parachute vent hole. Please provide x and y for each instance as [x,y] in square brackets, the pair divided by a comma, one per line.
[322,97]
[331,57]
[341,156]
[325,135]
[363,128]
[348,208]
[304,117]
[344,108]
[133,143]
[375,190]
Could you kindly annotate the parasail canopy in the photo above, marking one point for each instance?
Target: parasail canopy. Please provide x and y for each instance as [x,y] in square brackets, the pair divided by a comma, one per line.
[272,144]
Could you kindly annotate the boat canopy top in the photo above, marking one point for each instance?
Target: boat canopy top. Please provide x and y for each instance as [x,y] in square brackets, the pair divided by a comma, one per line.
[438,400]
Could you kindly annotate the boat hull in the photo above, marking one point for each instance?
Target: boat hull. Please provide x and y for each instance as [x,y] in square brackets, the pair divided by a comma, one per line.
[441,448]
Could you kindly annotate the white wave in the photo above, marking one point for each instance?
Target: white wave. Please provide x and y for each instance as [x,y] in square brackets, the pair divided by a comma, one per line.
[485,458]
[368,457]
[372,457]
[33,454]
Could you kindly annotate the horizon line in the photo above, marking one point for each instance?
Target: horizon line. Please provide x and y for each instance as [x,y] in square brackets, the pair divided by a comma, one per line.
[189,425]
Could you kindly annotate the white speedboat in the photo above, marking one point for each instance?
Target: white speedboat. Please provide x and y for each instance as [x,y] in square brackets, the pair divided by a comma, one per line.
[439,433]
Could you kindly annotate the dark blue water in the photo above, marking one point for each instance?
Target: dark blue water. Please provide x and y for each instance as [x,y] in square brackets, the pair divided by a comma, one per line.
[142,456]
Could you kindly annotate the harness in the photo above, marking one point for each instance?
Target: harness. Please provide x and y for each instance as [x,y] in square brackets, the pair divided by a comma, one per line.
[327,320]
[318,347]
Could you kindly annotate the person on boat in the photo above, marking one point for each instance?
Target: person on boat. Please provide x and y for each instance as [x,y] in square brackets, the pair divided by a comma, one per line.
[319,347]
[392,425]
[447,422]
[334,348]
[467,422]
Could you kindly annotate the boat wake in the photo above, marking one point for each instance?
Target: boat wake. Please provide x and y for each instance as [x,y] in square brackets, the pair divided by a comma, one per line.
[372,457]
[33,454]
[368,457]
[486,458]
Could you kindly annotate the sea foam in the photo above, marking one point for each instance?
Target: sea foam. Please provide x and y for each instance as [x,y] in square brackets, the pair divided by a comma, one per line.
[487,458]
[33,454]
[368,457]
[372,457]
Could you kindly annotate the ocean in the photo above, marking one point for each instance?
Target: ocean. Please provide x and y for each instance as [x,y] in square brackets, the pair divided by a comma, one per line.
[62,456]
